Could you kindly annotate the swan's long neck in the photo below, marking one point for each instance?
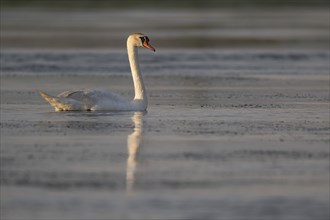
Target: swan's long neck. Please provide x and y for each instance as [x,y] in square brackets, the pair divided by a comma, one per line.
[140,92]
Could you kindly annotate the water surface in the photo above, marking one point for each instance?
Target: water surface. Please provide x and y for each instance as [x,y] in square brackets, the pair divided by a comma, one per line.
[230,133]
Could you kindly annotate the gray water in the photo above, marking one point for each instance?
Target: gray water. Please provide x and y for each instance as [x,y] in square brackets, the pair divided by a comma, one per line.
[234,132]
[168,63]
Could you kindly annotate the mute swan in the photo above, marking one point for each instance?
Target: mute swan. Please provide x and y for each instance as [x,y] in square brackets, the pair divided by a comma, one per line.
[92,100]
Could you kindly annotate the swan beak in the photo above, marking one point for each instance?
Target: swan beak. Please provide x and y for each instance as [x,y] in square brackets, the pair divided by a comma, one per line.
[148,46]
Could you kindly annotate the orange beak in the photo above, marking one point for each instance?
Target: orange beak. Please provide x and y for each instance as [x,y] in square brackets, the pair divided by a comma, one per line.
[147,45]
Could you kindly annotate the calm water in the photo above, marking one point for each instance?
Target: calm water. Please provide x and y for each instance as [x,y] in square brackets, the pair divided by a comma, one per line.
[185,62]
[234,132]
[228,135]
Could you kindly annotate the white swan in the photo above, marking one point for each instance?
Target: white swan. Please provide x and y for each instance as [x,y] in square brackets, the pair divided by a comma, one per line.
[92,100]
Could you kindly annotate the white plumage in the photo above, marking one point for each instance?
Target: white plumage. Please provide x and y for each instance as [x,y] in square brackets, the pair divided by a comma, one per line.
[94,100]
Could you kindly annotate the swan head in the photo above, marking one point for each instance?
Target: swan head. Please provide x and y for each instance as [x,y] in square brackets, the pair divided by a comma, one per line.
[140,40]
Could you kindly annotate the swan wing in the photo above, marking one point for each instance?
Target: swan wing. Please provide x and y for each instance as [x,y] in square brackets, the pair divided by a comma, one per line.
[97,99]
[85,100]
[91,96]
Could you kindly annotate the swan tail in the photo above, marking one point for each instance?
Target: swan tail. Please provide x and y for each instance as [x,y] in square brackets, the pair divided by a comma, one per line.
[61,104]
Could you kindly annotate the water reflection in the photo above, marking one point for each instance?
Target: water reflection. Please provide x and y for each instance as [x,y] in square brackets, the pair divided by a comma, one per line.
[133,145]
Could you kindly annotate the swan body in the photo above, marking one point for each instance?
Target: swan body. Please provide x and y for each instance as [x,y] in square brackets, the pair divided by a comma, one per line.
[102,100]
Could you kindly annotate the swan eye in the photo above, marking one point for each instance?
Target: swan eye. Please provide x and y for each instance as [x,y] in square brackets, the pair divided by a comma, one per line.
[144,38]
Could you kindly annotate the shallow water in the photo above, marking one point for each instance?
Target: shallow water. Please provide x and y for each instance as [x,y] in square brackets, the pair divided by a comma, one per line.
[229,133]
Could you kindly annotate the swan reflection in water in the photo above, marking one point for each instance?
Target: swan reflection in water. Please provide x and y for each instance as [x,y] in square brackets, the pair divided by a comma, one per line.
[133,145]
